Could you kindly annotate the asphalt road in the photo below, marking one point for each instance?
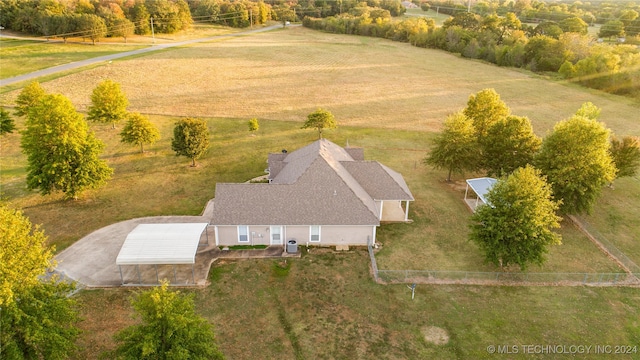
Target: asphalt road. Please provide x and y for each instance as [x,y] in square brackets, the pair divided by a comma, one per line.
[77,64]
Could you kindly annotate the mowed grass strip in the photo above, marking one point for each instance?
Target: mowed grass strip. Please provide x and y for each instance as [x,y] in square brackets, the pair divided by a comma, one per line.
[327,307]
[22,57]
[287,74]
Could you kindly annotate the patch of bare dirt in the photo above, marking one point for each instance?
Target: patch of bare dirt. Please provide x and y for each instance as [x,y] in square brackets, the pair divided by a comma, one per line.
[435,335]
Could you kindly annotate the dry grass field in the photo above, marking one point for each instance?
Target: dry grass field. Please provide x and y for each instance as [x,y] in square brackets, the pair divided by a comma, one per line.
[369,82]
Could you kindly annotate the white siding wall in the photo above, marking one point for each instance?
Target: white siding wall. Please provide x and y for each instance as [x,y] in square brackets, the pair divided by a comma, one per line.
[346,235]
[329,235]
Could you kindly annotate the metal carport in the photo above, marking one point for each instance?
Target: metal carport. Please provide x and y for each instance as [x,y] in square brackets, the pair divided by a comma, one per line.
[161,244]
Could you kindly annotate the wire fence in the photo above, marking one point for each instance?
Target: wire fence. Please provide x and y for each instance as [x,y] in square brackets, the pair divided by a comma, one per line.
[601,240]
[504,278]
[500,278]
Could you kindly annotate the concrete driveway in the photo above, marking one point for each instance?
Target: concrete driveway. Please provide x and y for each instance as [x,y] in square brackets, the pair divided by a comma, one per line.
[91,261]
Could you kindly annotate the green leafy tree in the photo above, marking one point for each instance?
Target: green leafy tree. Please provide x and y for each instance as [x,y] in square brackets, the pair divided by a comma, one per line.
[574,24]
[284,13]
[254,125]
[28,97]
[611,28]
[516,228]
[139,15]
[485,108]
[320,120]
[62,154]
[509,144]
[455,149]
[108,103]
[91,26]
[544,53]
[548,28]
[139,131]
[6,122]
[190,138]
[123,28]
[37,318]
[576,160]
[23,254]
[169,329]
[625,153]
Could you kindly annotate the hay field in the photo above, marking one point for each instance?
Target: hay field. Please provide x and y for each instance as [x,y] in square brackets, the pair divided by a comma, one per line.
[286,74]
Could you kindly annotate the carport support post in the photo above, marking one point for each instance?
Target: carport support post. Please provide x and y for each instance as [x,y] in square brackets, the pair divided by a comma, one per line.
[193,273]
[121,277]
[139,278]
[174,274]
[157,280]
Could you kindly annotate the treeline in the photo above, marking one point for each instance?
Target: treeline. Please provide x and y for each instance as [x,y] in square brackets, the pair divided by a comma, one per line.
[95,19]
[563,48]
[121,18]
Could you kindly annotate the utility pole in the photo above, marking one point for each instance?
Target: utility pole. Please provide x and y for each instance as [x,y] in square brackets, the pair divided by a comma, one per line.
[153,35]
[468,5]
[251,18]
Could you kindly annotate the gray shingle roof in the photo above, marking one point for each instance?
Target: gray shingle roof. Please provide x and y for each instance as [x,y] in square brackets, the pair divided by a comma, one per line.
[319,184]
[380,182]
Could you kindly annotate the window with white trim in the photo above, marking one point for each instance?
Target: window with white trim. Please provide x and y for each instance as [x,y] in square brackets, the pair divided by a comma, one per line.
[243,233]
[314,233]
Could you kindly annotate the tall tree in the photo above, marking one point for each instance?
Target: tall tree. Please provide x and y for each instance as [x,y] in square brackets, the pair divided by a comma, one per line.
[28,97]
[169,329]
[23,254]
[6,122]
[320,120]
[62,154]
[139,131]
[108,103]
[516,226]
[576,160]
[625,153]
[509,144]
[485,108]
[456,148]
[37,317]
[123,28]
[91,26]
[612,28]
[190,138]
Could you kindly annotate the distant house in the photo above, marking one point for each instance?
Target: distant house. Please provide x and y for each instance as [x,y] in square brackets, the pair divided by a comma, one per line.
[321,194]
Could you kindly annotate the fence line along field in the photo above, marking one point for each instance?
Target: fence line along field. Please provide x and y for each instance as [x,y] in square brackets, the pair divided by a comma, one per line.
[289,73]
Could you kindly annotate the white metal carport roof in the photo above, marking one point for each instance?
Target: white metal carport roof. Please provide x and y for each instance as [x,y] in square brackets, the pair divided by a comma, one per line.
[480,186]
[161,244]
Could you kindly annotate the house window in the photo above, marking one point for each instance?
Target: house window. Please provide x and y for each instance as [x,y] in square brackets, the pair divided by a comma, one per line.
[243,233]
[314,233]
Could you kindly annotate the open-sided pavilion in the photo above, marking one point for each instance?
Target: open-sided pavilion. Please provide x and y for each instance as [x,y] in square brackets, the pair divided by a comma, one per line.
[480,187]
[161,244]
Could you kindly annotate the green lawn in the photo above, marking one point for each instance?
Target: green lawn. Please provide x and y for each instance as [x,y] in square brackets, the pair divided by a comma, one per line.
[22,57]
[327,307]
[431,14]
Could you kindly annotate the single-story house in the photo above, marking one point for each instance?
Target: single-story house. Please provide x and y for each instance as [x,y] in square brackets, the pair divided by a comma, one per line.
[321,194]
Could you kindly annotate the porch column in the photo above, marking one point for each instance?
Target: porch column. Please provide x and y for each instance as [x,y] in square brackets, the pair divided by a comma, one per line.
[406,211]
[215,233]
[381,205]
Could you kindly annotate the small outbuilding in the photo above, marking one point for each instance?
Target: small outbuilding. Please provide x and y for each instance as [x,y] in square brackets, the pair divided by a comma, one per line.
[480,187]
[161,244]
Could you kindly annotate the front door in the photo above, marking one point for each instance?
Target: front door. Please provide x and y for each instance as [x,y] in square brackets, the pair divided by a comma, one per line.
[276,235]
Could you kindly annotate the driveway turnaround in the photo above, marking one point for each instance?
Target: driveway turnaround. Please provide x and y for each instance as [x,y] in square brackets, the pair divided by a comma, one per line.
[91,261]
